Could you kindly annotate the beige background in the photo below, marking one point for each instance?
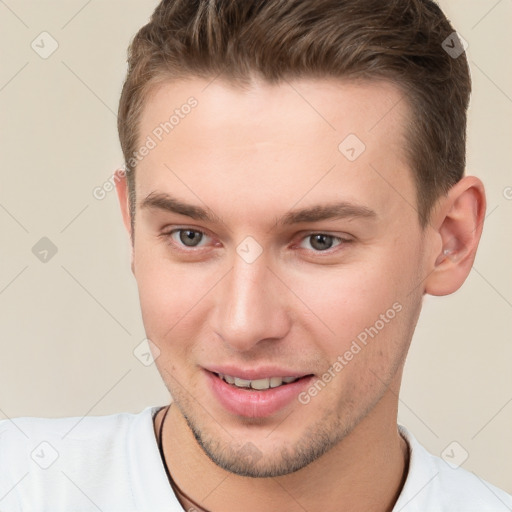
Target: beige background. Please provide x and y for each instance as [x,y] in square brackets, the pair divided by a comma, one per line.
[69,326]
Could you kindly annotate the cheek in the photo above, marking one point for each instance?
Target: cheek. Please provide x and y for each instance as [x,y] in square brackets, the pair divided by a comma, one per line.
[343,303]
[363,301]
[372,320]
[171,297]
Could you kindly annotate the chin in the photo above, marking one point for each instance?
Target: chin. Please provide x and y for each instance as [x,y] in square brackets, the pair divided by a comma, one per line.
[269,454]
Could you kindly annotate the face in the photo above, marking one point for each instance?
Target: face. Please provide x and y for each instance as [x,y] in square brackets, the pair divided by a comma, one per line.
[278,262]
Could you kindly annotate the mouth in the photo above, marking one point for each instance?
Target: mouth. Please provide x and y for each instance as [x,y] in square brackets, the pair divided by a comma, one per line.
[257,397]
[257,384]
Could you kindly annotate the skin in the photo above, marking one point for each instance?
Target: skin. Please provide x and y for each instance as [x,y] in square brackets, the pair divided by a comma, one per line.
[251,156]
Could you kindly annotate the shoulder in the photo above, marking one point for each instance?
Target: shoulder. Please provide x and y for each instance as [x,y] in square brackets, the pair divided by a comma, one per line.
[46,459]
[33,435]
[434,484]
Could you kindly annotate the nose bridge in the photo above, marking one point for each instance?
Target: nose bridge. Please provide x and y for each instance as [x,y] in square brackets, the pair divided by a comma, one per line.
[249,308]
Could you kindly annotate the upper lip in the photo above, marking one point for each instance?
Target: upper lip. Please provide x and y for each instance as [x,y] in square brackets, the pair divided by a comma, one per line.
[261,372]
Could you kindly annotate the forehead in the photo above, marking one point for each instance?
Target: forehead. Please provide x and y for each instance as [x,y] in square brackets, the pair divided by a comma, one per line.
[321,107]
[273,142]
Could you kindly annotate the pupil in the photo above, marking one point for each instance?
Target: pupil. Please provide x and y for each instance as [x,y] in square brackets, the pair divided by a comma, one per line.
[189,238]
[321,242]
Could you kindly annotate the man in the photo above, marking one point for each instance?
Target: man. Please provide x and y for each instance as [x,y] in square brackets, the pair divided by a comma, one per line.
[294,186]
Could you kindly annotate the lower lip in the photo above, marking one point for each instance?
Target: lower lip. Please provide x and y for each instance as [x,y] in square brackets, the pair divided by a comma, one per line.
[255,404]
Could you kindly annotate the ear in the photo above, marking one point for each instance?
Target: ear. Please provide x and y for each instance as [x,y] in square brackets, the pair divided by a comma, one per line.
[124,203]
[458,223]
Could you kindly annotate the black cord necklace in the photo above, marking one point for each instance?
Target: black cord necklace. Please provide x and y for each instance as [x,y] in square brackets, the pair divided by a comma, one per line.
[177,491]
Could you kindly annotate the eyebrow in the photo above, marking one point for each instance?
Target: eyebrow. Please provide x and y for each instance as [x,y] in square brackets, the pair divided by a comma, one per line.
[165,202]
[339,210]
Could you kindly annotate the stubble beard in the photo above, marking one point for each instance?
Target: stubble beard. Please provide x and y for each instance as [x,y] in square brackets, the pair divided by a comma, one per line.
[250,460]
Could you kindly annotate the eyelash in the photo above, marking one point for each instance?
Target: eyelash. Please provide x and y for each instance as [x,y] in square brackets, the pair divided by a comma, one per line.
[167,235]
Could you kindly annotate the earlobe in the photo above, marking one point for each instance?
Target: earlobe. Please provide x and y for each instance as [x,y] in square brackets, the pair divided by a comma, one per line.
[459,218]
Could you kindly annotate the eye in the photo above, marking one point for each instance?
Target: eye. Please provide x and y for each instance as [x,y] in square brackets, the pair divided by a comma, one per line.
[187,237]
[321,241]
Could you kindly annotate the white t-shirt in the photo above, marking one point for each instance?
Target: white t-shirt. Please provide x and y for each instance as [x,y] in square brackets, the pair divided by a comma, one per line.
[112,464]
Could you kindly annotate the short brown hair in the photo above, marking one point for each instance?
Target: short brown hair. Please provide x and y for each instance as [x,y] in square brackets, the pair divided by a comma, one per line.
[397,40]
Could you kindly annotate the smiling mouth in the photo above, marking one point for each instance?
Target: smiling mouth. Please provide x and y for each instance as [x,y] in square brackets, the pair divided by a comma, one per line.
[258,384]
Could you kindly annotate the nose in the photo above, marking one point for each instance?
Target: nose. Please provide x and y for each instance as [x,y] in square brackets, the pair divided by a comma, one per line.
[250,306]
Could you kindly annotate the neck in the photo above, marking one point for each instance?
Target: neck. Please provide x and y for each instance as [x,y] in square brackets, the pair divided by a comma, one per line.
[366,471]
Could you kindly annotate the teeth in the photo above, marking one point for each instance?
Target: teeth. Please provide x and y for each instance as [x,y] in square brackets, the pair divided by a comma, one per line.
[259,384]
[275,381]
[242,383]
